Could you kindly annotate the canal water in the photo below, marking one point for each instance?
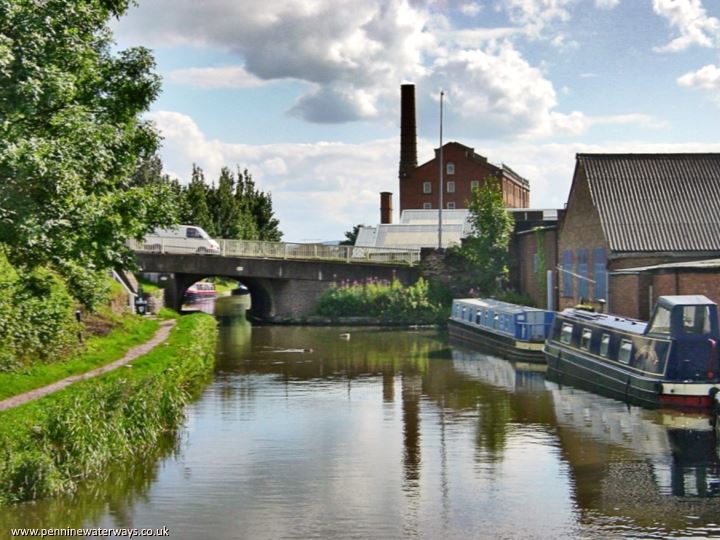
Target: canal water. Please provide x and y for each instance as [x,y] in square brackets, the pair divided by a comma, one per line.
[310,432]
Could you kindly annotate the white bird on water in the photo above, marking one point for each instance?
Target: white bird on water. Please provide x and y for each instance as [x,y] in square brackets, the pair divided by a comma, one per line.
[345,336]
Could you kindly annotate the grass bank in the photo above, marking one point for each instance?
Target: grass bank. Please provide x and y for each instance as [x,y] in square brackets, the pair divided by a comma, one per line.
[48,446]
[99,350]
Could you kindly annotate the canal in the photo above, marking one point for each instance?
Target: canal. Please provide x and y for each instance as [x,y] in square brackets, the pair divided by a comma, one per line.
[364,433]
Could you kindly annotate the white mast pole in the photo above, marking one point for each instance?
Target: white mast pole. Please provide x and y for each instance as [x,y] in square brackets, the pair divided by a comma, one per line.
[440,208]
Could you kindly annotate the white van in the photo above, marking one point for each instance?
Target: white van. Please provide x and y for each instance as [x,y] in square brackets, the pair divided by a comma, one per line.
[181,239]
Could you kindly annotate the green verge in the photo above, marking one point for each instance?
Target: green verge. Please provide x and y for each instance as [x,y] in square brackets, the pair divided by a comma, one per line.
[99,350]
[48,446]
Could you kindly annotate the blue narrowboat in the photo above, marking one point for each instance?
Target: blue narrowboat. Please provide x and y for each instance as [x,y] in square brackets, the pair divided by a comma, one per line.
[513,331]
[670,361]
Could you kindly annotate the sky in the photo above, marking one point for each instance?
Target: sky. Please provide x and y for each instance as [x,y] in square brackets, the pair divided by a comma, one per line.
[305,94]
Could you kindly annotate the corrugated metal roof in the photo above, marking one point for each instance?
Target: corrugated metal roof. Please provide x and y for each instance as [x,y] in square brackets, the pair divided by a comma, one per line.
[656,202]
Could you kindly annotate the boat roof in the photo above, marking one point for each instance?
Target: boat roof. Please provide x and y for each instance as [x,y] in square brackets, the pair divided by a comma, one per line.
[615,322]
[491,303]
[685,300]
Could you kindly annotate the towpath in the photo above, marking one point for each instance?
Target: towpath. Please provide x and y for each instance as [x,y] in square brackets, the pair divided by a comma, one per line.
[160,336]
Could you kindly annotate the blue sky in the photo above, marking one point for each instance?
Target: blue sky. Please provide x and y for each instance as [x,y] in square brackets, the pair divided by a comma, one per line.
[305,93]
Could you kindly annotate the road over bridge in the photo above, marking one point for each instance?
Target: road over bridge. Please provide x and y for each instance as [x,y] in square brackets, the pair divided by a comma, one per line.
[284,279]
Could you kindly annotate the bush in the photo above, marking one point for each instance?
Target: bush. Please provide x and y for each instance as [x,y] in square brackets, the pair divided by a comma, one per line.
[36,316]
[386,301]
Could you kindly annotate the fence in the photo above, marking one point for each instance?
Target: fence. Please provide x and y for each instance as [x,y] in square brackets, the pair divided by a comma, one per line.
[283,250]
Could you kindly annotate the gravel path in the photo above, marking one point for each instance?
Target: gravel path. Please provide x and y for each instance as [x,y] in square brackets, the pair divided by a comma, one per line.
[160,336]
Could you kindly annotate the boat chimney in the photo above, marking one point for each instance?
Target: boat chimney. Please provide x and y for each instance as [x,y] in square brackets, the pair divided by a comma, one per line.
[386,209]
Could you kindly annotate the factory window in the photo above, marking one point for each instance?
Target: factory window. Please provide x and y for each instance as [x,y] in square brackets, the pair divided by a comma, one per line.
[427,187]
[599,273]
[582,271]
[451,206]
[475,184]
[427,206]
[567,278]
[451,186]
[450,168]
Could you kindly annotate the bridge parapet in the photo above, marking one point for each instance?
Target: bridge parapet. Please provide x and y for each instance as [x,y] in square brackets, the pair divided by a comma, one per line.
[287,250]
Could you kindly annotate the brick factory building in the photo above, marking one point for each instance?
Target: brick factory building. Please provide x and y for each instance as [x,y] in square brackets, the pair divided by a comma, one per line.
[629,219]
[463,170]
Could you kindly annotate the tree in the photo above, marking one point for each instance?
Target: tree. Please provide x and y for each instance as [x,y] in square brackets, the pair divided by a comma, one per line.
[224,209]
[257,211]
[196,202]
[351,236]
[265,221]
[71,138]
[486,249]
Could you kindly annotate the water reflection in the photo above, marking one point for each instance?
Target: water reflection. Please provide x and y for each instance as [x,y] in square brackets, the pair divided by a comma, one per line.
[307,434]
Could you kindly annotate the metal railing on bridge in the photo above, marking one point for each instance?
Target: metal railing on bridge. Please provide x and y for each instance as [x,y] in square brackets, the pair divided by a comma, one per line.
[284,250]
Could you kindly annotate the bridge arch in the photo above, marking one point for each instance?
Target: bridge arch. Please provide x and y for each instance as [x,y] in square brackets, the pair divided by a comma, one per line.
[260,291]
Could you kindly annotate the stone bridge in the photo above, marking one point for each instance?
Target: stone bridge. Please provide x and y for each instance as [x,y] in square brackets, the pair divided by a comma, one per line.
[282,283]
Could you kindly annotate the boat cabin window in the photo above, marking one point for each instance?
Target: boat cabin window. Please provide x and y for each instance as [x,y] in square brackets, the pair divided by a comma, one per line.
[478,318]
[696,319]
[566,333]
[661,321]
[585,339]
[604,344]
[625,351]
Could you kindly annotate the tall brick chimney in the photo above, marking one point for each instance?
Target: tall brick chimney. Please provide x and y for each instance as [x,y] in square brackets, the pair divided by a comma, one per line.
[386,209]
[408,135]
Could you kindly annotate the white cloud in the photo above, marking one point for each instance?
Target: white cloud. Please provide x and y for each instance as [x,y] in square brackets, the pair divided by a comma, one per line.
[561,43]
[354,54]
[351,51]
[606,4]
[215,77]
[534,15]
[692,23]
[340,103]
[499,90]
[706,78]
[473,37]
[471,9]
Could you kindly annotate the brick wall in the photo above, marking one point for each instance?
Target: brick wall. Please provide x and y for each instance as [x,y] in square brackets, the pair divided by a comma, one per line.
[466,170]
[526,274]
[687,282]
[579,229]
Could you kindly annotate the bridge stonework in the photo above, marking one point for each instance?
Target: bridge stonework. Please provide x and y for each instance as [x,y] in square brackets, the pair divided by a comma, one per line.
[279,288]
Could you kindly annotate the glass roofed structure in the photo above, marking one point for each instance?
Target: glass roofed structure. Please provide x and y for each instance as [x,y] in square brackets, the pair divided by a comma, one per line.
[417,229]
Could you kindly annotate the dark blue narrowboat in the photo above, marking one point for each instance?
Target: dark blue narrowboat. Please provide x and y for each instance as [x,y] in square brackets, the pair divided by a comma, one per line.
[670,361]
[513,331]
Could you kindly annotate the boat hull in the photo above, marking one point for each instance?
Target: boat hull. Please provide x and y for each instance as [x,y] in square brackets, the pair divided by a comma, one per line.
[504,346]
[567,366]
